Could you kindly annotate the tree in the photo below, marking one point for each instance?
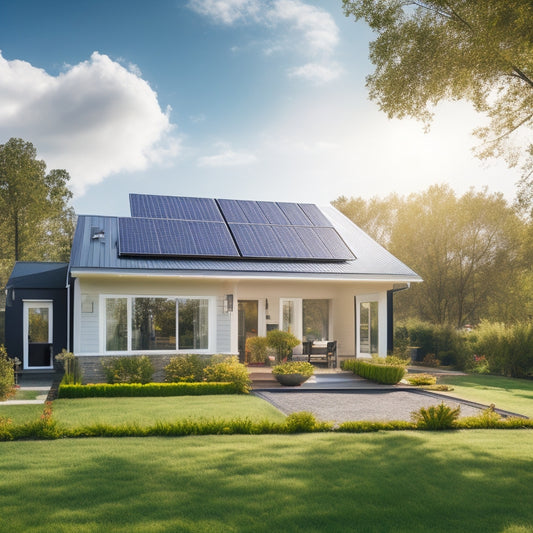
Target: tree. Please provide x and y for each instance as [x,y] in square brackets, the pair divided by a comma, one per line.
[470,251]
[36,220]
[427,51]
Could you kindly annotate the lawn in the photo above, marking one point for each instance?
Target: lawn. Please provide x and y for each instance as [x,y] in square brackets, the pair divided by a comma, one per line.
[146,411]
[395,482]
[515,395]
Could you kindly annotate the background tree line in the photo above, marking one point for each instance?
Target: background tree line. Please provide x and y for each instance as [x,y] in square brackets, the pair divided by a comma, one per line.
[473,251]
[36,218]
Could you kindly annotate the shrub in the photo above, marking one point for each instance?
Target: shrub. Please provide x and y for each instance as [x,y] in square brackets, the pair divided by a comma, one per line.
[127,369]
[257,346]
[305,422]
[71,366]
[283,343]
[185,369]
[294,367]
[430,360]
[108,390]
[7,375]
[386,374]
[421,379]
[437,417]
[229,370]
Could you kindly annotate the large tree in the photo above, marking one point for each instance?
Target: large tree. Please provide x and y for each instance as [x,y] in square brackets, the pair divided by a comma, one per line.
[470,251]
[427,51]
[36,220]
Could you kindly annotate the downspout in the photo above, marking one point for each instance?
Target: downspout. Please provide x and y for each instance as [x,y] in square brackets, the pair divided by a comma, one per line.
[390,315]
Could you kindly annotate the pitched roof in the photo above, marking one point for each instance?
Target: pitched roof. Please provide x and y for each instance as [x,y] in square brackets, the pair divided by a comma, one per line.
[37,275]
[96,249]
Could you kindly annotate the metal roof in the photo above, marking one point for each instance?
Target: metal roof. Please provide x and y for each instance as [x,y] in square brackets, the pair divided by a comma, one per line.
[36,275]
[94,252]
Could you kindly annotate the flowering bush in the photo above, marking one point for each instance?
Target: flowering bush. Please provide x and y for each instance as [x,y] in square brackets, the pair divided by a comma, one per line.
[480,365]
[7,375]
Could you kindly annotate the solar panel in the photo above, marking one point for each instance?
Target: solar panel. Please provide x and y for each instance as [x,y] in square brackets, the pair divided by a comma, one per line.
[258,241]
[273,213]
[204,227]
[232,211]
[162,237]
[334,243]
[177,207]
[295,215]
[316,216]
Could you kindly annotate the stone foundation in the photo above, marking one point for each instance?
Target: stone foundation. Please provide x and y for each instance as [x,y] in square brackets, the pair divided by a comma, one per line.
[93,372]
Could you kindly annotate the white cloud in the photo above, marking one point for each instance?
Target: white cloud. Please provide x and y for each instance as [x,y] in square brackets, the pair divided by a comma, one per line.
[316,72]
[309,30]
[95,119]
[317,26]
[227,11]
[226,158]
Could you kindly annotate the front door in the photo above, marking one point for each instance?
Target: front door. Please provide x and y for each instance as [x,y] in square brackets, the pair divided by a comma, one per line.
[248,324]
[38,335]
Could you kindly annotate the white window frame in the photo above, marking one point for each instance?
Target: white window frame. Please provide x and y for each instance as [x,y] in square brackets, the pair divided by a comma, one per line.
[211,324]
[35,304]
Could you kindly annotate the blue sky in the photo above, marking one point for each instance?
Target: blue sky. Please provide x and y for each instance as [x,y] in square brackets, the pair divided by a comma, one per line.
[241,99]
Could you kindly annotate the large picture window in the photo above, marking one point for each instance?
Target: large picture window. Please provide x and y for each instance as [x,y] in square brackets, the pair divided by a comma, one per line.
[153,324]
[140,324]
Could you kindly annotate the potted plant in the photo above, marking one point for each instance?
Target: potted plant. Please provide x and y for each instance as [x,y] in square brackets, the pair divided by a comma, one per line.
[293,373]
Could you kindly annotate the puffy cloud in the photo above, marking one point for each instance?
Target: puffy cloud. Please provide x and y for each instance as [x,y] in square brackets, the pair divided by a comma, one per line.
[227,11]
[226,158]
[94,119]
[307,28]
[316,72]
[317,26]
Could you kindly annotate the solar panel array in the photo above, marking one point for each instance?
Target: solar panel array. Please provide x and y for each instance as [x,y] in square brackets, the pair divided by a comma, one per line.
[204,227]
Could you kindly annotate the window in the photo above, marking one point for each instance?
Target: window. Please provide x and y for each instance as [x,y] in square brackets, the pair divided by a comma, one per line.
[116,324]
[153,325]
[193,321]
[315,319]
[368,327]
[139,324]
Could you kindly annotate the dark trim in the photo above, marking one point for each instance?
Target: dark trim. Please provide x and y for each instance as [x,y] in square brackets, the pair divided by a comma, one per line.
[390,321]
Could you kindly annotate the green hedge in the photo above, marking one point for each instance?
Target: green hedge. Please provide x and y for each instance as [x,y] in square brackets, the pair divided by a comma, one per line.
[147,389]
[385,374]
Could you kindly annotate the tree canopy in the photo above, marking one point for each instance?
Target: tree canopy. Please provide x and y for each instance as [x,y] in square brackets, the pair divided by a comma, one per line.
[36,220]
[427,51]
[472,252]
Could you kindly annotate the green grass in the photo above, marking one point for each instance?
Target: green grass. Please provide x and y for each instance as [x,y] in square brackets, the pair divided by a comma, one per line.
[146,411]
[475,481]
[22,394]
[21,413]
[515,395]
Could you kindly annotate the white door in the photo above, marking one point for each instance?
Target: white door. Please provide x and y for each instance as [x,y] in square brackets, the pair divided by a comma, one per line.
[37,331]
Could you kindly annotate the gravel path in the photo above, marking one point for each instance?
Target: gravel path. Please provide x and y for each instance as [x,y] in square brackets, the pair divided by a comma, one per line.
[340,407]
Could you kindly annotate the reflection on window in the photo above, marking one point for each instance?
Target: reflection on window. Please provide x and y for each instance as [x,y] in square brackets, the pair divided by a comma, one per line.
[38,324]
[368,330]
[289,318]
[193,324]
[153,324]
[315,315]
[116,324]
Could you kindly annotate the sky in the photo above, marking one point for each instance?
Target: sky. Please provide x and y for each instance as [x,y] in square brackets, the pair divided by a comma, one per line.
[244,99]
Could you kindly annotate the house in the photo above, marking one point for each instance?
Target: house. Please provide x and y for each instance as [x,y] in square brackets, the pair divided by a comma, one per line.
[201,275]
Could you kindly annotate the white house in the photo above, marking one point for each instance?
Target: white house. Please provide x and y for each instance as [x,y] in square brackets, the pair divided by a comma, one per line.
[199,275]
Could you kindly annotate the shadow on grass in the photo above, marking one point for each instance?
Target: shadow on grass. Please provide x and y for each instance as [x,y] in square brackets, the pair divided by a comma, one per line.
[461,481]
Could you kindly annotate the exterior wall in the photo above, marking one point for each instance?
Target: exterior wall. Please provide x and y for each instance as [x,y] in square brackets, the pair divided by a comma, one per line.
[14,318]
[344,298]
